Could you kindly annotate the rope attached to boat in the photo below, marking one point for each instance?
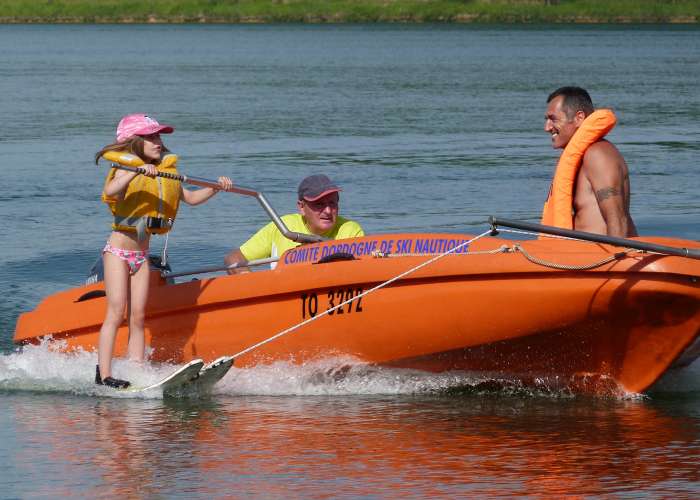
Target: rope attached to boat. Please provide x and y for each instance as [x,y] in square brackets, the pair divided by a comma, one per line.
[565,267]
[518,248]
[570,267]
[363,294]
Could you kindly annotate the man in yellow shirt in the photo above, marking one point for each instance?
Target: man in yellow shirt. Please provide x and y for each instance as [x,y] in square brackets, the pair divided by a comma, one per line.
[318,199]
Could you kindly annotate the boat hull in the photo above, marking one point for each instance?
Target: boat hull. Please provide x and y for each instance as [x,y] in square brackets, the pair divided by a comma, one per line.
[492,313]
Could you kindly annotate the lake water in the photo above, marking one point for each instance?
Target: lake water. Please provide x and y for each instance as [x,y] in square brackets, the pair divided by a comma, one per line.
[427,128]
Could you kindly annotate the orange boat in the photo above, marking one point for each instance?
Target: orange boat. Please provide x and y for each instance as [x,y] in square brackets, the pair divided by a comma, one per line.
[576,312]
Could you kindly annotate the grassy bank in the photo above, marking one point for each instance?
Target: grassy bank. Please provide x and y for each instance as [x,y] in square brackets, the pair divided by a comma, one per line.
[316,11]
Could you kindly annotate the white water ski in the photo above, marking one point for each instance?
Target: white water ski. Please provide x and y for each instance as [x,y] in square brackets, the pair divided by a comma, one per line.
[176,381]
[211,373]
[195,377]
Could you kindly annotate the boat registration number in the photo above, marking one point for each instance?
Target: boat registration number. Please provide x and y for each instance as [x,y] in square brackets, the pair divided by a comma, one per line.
[333,299]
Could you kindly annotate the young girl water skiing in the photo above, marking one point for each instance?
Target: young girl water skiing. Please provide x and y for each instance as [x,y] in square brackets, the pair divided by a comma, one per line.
[142,204]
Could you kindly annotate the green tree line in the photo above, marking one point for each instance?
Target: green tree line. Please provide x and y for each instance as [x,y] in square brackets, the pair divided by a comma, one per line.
[316,11]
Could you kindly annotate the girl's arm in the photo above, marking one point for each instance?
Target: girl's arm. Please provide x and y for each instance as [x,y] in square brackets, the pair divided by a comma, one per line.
[192,197]
[122,178]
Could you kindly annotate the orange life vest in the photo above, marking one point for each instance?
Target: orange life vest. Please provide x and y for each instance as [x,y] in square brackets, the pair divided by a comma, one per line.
[559,207]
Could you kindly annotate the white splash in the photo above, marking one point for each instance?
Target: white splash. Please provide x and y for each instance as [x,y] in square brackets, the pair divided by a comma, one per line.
[47,367]
[336,376]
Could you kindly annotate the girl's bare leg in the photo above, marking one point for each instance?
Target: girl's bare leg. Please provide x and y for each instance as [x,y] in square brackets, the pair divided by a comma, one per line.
[116,287]
[137,312]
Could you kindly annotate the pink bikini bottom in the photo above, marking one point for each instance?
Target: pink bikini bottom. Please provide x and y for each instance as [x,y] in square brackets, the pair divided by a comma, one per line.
[133,258]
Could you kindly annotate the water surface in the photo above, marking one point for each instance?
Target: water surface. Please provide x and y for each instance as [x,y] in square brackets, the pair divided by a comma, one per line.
[427,128]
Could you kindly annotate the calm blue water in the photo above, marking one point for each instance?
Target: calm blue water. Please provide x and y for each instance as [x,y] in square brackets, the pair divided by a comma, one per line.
[427,128]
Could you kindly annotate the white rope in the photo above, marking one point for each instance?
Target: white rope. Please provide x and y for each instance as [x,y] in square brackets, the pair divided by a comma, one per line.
[164,253]
[381,285]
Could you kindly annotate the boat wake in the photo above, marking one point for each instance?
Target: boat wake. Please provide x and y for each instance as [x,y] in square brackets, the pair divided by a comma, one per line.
[343,376]
[44,368]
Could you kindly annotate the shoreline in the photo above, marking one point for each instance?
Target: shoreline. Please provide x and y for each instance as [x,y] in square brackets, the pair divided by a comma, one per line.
[680,21]
[678,12]
[578,22]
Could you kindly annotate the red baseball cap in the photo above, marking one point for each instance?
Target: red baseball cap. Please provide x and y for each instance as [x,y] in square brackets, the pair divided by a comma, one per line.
[316,186]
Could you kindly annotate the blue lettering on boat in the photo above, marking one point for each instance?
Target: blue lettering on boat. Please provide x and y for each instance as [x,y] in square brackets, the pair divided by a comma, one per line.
[313,253]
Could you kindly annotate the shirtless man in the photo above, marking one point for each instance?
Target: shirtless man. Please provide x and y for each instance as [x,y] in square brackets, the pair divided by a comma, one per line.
[602,191]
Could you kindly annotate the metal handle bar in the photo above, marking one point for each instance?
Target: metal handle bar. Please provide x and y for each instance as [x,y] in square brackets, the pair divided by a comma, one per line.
[213,269]
[598,238]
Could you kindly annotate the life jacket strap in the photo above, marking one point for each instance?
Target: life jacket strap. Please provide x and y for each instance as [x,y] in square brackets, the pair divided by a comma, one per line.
[144,225]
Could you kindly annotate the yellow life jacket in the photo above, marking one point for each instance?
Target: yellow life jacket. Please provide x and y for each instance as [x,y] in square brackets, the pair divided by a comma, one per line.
[559,207]
[148,204]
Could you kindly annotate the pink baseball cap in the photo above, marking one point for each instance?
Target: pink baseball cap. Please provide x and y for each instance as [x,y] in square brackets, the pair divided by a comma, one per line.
[140,124]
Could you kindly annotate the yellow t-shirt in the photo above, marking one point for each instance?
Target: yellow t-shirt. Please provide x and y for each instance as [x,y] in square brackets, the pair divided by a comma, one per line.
[269,242]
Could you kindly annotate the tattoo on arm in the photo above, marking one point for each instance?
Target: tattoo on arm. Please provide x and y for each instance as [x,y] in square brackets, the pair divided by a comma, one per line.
[605,193]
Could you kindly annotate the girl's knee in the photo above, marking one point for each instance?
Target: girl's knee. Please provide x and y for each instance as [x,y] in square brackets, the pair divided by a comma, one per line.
[137,319]
[116,307]
[114,315]
[137,315]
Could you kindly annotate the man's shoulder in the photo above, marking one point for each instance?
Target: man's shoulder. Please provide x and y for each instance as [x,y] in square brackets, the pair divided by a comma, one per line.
[294,222]
[601,149]
[270,230]
[347,228]
[344,220]
[603,162]
[601,155]
[269,238]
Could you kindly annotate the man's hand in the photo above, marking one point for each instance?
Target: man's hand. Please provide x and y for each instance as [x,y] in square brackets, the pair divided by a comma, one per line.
[236,257]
